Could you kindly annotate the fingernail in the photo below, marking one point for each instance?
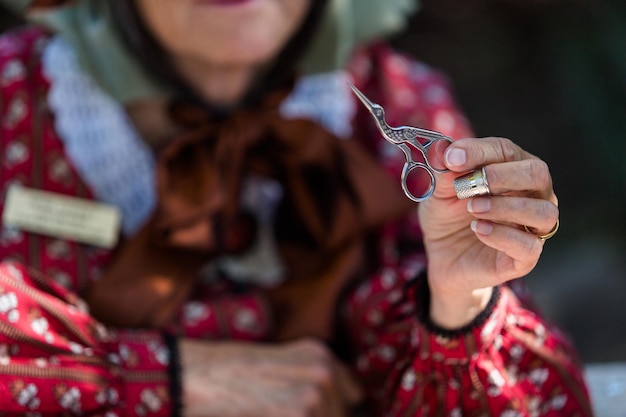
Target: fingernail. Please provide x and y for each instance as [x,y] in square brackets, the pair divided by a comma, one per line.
[455,157]
[482,228]
[479,205]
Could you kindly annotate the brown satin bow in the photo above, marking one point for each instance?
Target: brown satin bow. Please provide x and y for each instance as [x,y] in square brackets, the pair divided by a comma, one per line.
[200,176]
[334,193]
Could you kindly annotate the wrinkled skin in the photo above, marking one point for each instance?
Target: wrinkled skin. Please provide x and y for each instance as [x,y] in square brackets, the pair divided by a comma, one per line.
[293,379]
[475,244]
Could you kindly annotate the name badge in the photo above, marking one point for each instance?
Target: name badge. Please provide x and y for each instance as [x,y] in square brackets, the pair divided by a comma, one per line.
[61,216]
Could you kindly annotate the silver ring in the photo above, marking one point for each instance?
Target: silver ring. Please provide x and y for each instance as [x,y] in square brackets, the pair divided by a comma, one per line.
[472,185]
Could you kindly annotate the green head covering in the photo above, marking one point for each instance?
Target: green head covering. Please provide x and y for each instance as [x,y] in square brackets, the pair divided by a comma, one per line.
[89,26]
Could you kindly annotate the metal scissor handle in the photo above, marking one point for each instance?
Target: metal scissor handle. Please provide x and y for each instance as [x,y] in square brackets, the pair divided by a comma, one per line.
[409,166]
[401,137]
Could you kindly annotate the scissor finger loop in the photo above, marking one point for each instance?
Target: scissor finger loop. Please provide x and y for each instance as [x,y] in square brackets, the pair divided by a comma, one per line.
[406,172]
[411,165]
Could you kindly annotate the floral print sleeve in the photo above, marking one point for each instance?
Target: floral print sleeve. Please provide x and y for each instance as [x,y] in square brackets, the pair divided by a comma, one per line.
[55,358]
[511,364]
[218,314]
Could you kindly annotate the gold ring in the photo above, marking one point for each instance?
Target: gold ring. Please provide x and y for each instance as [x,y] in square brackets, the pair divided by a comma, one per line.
[548,235]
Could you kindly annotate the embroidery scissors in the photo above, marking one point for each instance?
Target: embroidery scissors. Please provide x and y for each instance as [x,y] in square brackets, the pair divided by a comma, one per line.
[406,138]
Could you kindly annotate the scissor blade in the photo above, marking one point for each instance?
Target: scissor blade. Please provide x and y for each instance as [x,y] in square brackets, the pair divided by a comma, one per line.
[366,101]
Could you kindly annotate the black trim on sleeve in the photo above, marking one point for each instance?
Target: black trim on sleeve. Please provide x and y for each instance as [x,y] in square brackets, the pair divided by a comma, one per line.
[174,373]
[422,299]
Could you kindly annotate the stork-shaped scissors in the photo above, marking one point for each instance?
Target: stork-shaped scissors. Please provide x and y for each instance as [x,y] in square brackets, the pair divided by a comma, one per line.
[406,137]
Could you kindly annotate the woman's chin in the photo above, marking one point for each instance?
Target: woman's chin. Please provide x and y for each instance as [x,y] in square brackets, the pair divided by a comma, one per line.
[241,55]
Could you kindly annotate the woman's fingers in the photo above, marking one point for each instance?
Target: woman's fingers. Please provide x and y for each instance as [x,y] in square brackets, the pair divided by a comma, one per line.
[513,172]
[316,364]
[298,378]
[468,154]
[530,175]
[508,167]
[517,252]
[538,214]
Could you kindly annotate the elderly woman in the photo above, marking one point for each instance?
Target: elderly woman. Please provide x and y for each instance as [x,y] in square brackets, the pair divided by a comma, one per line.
[199,173]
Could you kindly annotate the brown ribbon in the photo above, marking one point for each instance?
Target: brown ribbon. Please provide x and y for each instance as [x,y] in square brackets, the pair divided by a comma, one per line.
[334,194]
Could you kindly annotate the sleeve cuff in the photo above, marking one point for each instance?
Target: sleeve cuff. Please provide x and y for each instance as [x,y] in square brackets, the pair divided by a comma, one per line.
[174,373]
[422,296]
[464,342]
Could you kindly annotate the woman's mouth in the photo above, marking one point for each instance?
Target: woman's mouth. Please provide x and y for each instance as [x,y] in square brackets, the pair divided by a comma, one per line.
[224,2]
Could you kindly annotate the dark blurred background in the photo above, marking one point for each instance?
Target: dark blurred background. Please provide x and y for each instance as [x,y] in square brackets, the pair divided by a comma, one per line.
[550,74]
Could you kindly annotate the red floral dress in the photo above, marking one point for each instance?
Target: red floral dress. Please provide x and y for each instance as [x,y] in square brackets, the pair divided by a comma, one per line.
[55,359]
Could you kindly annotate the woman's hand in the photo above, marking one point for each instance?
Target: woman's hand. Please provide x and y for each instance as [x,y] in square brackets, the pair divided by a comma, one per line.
[475,244]
[230,379]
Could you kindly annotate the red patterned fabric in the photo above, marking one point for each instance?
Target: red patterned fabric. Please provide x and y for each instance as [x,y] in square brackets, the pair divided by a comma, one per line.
[55,358]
